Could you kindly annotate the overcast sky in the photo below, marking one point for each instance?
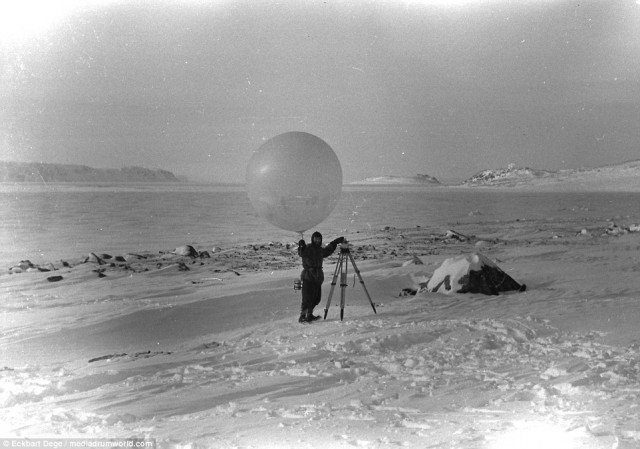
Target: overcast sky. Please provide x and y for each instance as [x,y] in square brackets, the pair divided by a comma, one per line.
[396,88]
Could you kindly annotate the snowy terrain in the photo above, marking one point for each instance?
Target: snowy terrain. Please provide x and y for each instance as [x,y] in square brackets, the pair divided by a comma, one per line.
[617,177]
[623,177]
[199,350]
[400,180]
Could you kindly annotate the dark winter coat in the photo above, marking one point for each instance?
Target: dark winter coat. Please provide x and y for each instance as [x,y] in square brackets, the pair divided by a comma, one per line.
[312,256]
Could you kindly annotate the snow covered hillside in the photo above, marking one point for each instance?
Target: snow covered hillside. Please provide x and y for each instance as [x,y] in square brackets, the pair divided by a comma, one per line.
[625,176]
[400,180]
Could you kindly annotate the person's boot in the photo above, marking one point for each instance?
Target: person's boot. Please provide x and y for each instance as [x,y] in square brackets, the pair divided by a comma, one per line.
[303,317]
[311,317]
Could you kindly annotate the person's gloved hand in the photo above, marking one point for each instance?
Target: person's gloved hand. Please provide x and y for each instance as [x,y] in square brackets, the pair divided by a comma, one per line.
[302,244]
[338,241]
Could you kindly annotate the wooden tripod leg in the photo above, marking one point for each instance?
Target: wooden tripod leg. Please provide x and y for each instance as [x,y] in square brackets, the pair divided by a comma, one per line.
[343,288]
[355,267]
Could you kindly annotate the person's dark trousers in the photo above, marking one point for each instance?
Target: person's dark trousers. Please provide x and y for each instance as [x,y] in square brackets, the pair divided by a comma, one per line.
[311,295]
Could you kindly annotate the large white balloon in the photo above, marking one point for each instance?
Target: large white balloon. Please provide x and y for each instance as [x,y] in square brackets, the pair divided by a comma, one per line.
[294,181]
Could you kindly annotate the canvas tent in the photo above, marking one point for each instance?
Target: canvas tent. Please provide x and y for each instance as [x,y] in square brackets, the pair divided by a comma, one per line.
[473,273]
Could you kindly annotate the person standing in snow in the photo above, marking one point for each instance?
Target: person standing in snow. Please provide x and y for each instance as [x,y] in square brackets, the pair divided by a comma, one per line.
[312,275]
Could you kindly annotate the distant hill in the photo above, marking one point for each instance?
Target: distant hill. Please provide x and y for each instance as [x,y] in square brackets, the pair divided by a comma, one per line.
[40,172]
[625,176]
[506,176]
[400,180]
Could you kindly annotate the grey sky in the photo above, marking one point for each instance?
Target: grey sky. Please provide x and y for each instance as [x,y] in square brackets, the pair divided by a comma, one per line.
[394,87]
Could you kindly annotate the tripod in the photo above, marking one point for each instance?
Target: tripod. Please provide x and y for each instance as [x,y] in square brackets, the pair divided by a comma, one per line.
[341,268]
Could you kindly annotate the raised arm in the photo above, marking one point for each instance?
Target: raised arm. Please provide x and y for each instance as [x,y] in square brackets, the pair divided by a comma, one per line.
[331,247]
[301,247]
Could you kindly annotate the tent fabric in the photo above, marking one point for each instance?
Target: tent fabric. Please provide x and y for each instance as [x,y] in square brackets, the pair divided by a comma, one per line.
[473,273]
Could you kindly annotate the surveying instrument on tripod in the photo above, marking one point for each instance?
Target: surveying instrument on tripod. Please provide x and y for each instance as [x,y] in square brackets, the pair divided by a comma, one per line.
[341,269]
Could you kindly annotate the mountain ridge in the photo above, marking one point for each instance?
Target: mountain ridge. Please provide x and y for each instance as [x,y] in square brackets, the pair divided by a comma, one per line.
[38,172]
[625,174]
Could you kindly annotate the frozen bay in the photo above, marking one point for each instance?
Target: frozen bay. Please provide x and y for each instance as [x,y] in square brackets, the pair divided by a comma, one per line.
[47,222]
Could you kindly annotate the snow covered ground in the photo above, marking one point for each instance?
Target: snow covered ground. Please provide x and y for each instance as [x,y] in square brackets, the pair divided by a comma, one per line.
[207,352]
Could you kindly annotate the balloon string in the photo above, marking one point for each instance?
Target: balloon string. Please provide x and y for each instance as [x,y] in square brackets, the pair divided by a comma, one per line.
[301,235]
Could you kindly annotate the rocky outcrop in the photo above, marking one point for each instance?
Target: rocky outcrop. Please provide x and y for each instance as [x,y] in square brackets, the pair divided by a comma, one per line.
[40,172]
[473,273]
[624,176]
[506,176]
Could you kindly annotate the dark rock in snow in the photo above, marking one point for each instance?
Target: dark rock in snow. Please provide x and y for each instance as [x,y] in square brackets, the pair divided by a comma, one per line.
[93,257]
[456,236]
[473,273]
[186,250]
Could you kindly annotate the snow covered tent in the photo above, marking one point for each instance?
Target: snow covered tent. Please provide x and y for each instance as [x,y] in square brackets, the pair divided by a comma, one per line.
[473,273]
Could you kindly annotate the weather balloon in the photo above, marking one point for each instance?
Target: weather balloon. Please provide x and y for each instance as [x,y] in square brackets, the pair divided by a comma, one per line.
[294,181]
